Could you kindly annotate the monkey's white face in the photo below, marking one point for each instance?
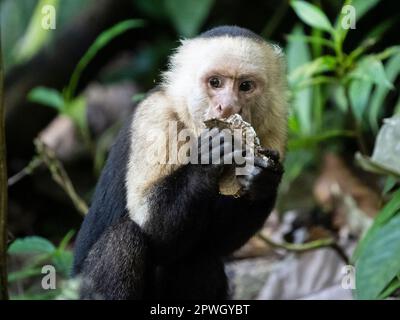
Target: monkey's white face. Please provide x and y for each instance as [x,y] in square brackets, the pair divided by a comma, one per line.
[228,93]
[218,77]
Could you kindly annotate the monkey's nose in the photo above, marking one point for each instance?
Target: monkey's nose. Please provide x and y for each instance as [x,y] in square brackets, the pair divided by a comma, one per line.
[224,111]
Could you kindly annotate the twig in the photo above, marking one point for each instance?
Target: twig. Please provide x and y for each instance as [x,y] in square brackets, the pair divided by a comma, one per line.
[59,175]
[302,247]
[28,170]
[3,192]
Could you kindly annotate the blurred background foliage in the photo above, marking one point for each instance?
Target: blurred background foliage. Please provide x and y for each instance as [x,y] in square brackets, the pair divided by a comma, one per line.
[343,83]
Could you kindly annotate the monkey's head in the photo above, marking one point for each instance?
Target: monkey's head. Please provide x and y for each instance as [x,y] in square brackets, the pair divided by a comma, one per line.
[229,70]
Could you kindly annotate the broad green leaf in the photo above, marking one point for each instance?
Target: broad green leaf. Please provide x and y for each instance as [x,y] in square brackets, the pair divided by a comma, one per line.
[188,15]
[310,141]
[390,183]
[392,287]
[360,7]
[339,96]
[371,68]
[311,15]
[32,244]
[392,70]
[310,39]
[314,67]
[385,214]
[63,262]
[359,92]
[23,274]
[298,54]
[101,41]
[35,36]
[48,97]
[14,17]
[379,263]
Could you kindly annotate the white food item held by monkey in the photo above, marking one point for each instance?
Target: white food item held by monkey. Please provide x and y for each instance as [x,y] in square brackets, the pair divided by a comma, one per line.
[158,228]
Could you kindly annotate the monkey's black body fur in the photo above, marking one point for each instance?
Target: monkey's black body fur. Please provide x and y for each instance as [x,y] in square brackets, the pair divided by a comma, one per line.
[190,228]
[178,253]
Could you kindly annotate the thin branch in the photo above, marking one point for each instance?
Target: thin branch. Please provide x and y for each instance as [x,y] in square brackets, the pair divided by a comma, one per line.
[28,170]
[59,175]
[3,192]
[302,247]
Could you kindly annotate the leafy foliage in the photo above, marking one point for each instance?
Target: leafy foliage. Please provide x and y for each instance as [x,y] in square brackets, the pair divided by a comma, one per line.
[39,251]
[356,85]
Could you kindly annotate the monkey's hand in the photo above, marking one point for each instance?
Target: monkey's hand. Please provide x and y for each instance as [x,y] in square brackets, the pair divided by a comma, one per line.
[216,149]
[262,178]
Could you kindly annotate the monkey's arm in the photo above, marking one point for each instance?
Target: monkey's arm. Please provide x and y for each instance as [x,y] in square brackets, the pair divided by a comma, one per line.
[237,219]
[116,266]
[179,210]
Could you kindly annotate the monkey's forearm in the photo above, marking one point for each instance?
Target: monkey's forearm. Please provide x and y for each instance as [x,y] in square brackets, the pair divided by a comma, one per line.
[179,211]
[236,220]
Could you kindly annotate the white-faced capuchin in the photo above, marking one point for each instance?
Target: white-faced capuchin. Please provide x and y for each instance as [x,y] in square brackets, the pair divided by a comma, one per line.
[158,226]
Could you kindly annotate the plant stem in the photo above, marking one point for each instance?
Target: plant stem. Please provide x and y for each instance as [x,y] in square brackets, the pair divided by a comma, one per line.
[59,175]
[302,247]
[3,191]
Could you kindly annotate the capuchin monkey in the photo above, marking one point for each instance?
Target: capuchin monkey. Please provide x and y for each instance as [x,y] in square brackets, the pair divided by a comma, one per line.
[158,228]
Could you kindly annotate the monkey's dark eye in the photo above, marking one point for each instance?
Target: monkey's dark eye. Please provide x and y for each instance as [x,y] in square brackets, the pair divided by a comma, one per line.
[215,82]
[246,86]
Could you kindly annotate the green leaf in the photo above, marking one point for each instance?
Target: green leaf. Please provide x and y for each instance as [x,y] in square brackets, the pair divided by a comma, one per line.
[23,274]
[310,141]
[48,97]
[371,68]
[314,67]
[35,36]
[63,262]
[101,41]
[359,92]
[339,96]
[32,244]
[379,263]
[310,39]
[311,15]
[390,183]
[392,70]
[298,54]
[385,214]
[392,287]
[188,15]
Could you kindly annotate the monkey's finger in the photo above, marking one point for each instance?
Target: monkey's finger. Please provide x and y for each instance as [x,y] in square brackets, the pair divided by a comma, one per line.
[270,153]
[262,162]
